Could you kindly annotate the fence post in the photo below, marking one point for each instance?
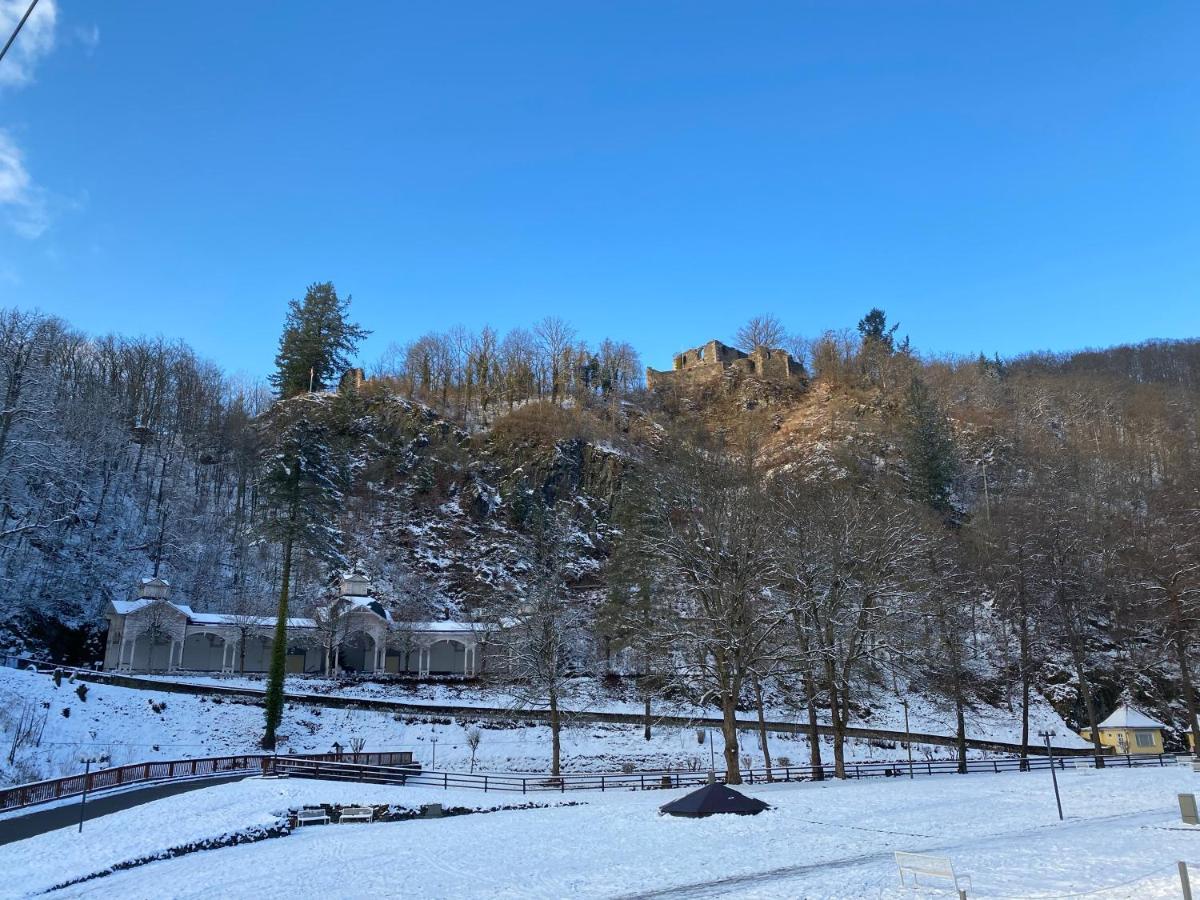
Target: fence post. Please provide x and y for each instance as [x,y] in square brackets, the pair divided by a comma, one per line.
[602,784]
[485,784]
[996,766]
[522,785]
[1184,882]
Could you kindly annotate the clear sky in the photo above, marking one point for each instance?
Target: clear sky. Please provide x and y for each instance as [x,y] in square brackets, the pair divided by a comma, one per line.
[999,176]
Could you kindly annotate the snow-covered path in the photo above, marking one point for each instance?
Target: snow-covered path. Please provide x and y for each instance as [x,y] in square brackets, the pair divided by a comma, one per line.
[1024,842]
[820,840]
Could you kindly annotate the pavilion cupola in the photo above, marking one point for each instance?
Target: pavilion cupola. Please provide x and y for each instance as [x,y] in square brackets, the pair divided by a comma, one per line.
[355,586]
[154,589]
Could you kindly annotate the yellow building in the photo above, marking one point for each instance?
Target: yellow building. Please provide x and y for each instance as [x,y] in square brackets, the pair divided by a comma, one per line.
[1128,731]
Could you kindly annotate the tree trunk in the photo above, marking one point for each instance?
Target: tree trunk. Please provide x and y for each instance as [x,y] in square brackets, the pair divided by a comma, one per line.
[762,726]
[555,726]
[814,733]
[835,720]
[1085,692]
[1185,673]
[733,772]
[1025,678]
[960,728]
[646,721]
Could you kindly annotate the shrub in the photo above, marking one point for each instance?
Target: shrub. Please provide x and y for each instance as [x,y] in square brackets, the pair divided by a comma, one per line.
[66,712]
[57,678]
[82,691]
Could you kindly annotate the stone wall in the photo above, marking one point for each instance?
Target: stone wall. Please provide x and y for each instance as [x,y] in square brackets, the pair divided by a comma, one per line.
[712,360]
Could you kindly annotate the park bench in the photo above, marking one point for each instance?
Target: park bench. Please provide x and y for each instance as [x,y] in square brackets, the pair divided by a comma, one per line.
[913,866]
[356,814]
[312,815]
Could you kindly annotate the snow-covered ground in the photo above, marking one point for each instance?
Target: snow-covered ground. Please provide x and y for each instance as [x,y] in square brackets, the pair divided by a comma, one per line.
[127,725]
[595,695]
[210,814]
[1122,838]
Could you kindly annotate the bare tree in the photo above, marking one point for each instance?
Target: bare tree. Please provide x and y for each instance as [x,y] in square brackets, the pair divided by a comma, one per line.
[761,331]
[554,339]
[474,738]
[248,618]
[543,634]
[710,534]
[843,556]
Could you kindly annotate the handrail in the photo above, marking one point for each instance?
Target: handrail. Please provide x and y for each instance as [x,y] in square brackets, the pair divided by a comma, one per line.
[603,781]
[98,780]
[399,767]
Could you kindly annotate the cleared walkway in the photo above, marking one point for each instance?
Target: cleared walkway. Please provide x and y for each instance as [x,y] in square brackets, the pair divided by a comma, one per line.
[33,823]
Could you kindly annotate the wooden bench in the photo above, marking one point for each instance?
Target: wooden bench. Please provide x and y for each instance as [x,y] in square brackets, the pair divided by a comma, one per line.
[312,815]
[356,814]
[914,865]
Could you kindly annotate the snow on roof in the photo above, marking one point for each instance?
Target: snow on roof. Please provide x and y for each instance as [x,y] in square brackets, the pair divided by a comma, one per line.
[1126,717]
[443,625]
[127,607]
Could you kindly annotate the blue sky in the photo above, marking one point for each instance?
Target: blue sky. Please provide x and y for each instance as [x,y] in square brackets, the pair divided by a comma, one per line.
[998,176]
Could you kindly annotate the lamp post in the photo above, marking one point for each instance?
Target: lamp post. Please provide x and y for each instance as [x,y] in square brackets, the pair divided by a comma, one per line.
[907,736]
[712,758]
[87,770]
[1053,776]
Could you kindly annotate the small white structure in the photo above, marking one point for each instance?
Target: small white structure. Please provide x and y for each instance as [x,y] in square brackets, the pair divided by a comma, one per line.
[353,632]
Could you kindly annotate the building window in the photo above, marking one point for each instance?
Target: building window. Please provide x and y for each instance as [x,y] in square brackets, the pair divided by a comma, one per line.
[1144,738]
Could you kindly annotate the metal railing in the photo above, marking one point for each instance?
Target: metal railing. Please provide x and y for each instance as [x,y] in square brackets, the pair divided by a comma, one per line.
[531,783]
[100,780]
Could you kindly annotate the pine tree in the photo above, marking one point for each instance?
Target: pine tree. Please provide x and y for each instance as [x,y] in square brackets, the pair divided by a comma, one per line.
[301,488]
[317,343]
[873,328]
[929,449]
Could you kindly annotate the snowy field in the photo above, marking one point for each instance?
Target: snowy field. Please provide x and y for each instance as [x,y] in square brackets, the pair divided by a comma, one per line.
[1122,838]
[126,725]
[594,695]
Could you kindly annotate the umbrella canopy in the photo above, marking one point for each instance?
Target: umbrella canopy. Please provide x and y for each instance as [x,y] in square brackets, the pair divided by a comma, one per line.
[713,799]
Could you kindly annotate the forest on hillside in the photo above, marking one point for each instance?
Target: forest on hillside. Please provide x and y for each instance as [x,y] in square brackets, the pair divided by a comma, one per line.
[977,528]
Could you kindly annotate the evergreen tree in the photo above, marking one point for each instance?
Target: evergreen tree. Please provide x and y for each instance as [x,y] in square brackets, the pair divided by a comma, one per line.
[929,449]
[317,343]
[873,328]
[301,489]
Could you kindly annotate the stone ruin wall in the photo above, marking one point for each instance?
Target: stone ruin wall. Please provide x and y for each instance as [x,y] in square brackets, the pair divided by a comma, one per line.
[712,360]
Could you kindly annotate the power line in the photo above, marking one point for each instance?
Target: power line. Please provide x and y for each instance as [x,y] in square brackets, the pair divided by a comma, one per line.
[17,30]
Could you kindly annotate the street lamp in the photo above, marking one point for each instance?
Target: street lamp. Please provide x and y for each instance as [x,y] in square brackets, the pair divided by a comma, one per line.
[1053,777]
[87,777]
[907,735]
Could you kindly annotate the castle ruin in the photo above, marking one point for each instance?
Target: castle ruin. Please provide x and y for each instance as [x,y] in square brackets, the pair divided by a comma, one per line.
[714,360]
